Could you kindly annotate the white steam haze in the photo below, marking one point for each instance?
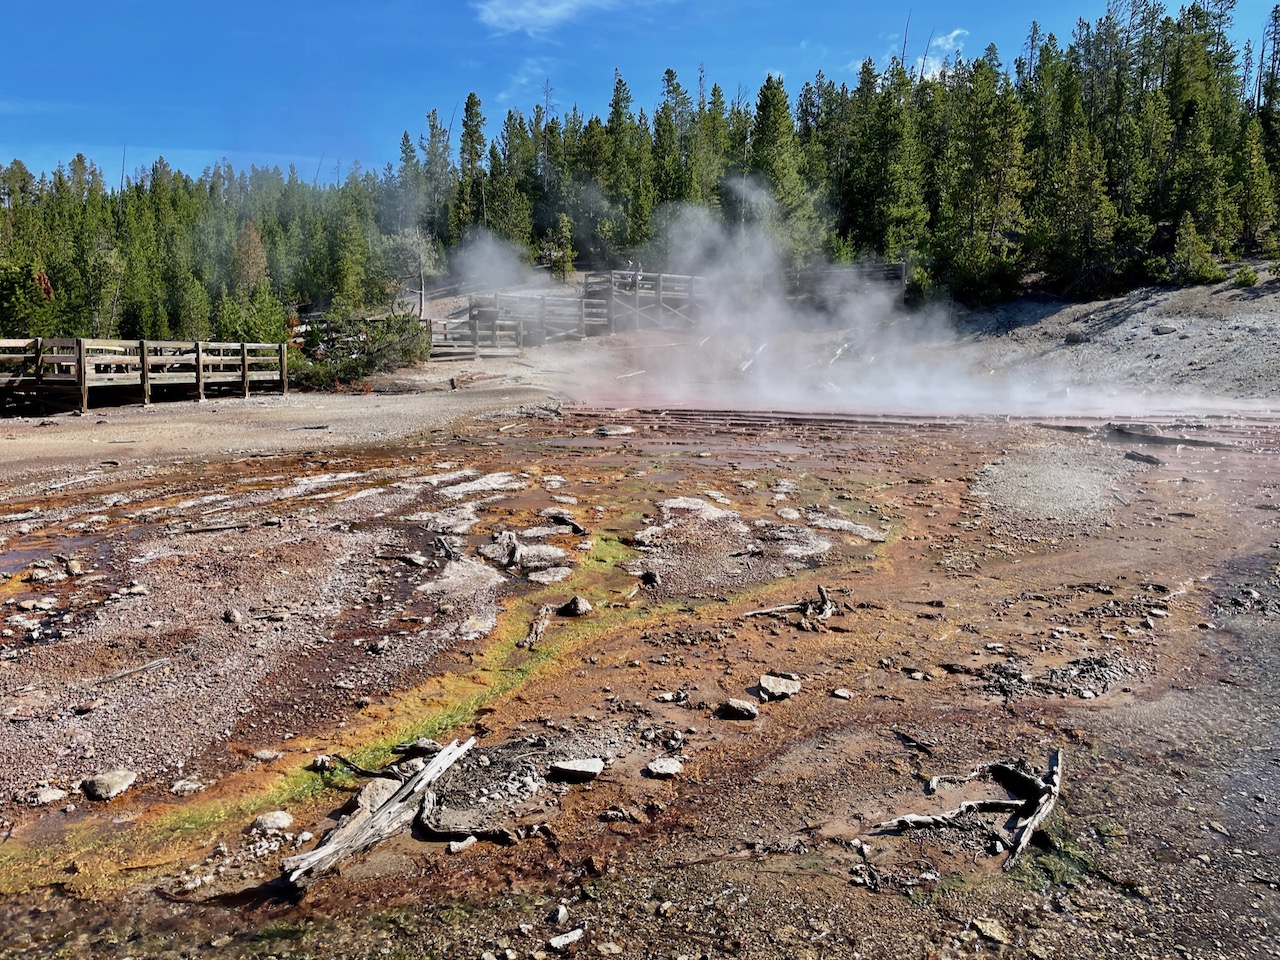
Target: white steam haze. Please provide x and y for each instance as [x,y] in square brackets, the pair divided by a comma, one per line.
[753,348]
[486,262]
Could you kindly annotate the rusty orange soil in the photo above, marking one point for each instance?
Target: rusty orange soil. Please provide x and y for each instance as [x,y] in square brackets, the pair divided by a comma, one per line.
[1131,629]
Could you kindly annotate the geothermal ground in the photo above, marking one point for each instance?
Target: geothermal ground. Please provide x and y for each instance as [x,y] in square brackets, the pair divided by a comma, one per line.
[816,606]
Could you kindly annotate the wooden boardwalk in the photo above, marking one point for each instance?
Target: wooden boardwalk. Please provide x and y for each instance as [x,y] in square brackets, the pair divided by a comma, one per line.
[503,324]
[62,372]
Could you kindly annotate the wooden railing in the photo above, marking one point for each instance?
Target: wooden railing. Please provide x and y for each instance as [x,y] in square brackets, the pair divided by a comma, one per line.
[64,370]
[503,324]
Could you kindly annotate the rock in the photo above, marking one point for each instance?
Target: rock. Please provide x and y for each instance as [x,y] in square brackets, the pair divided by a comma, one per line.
[137,590]
[276,821]
[992,929]
[841,693]
[375,793]
[739,710]
[577,771]
[559,916]
[550,575]
[233,615]
[1160,330]
[664,768]
[104,786]
[74,569]
[1137,457]
[186,787]
[608,949]
[443,823]
[415,559]
[266,756]
[87,706]
[578,606]
[566,940]
[43,796]
[773,687]
[457,846]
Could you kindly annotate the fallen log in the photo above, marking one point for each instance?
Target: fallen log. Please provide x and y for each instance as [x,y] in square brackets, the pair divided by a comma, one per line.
[360,832]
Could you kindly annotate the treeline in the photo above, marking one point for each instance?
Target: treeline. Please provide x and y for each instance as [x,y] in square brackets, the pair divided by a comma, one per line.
[1145,150]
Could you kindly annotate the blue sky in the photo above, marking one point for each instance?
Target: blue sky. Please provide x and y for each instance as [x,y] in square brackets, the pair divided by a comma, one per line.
[324,83]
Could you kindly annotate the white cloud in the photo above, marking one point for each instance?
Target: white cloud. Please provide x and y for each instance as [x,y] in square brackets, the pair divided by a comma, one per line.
[950,41]
[527,83]
[939,49]
[535,16]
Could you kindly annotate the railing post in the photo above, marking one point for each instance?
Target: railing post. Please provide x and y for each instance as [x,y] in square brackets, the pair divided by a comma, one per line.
[82,375]
[244,369]
[200,370]
[582,318]
[662,308]
[284,369]
[144,372]
[542,320]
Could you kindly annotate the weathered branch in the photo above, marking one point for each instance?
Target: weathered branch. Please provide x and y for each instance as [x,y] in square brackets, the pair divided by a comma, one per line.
[364,829]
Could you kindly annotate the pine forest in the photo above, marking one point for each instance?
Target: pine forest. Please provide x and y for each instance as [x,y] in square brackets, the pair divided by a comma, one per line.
[1146,149]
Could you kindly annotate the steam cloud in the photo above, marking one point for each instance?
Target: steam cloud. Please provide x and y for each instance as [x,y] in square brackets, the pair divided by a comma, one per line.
[756,349]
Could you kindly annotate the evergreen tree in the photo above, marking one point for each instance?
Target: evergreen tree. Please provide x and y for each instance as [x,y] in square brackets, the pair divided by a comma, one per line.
[1257,204]
[775,160]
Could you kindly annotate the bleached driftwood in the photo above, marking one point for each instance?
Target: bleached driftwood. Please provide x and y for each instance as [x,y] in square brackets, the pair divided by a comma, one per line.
[1033,802]
[363,830]
[949,818]
[823,609]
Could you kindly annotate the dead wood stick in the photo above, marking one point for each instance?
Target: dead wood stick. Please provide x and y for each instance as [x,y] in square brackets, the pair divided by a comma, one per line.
[784,608]
[624,376]
[360,833]
[1044,807]
[949,818]
[824,609]
[217,528]
[387,774]
[154,664]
